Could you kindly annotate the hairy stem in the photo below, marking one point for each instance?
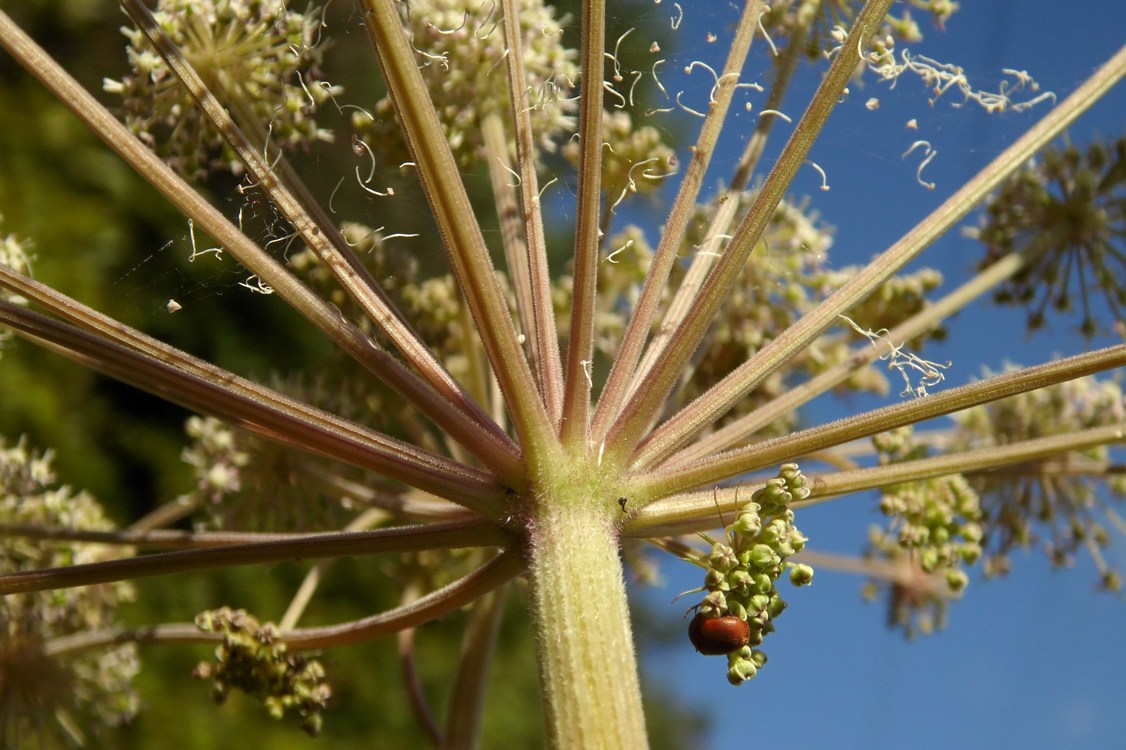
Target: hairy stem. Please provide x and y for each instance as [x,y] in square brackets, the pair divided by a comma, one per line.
[183,379]
[545,342]
[588,669]
[864,354]
[497,572]
[494,448]
[467,698]
[827,487]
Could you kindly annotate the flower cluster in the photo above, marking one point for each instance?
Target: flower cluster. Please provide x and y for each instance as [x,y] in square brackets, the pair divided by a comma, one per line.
[1061,494]
[215,457]
[917,601]
[742,572]
[934,531]
[1066,213]
[257,56]
[898,298]
[251,658]
[460,47]
[777,285]
[38,690]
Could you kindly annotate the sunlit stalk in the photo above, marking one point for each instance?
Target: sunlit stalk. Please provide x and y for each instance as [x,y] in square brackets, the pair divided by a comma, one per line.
[460,230]
[647,402]
[641,319]
[667,480]
[579,359]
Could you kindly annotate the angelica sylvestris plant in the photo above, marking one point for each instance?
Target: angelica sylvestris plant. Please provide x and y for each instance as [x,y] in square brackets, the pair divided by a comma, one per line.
[514,420]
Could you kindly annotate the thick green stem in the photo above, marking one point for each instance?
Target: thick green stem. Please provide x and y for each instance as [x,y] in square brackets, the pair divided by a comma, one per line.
[588,669]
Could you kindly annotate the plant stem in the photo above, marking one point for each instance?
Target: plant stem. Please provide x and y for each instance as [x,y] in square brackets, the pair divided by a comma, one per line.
[728,204]
[494,448]
[840,483]
[467,696]
[668,480]
[545,342]
[680,214]
[460,230]
[179,377]
[493,574]
[328,545]
[580,345]
[588,669]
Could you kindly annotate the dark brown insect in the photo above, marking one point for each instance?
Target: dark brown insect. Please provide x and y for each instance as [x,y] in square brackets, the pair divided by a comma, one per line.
[716,636]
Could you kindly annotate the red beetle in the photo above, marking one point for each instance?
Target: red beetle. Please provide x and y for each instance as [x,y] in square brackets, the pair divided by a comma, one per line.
[716,636]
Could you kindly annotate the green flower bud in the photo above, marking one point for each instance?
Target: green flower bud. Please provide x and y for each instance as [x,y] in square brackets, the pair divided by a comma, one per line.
[741,671]
[891,505]
[972,532]
[722,557]
[739,580]
[763,556]
[715,580]
[763,584]
[714,604]
[748,524]
[801,575]
[956,579]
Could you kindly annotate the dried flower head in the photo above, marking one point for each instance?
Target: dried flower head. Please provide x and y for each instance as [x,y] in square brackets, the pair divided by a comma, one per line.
[252,658]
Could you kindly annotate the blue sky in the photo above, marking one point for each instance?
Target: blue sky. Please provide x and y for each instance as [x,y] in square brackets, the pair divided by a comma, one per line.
[1037,660]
